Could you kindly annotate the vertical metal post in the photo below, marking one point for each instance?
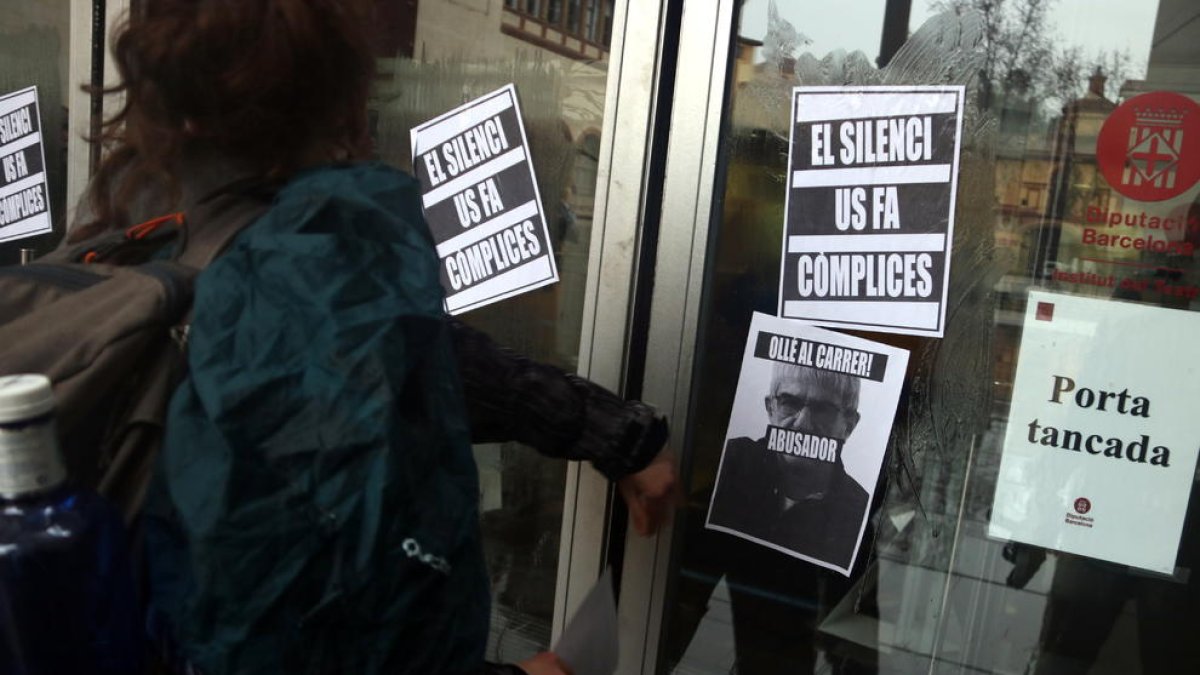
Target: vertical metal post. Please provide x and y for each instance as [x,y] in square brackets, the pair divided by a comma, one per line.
[699,97]
[96,80]
[895,30]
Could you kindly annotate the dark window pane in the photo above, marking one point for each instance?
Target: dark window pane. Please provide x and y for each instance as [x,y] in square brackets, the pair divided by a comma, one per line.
[593,18]
[573,16]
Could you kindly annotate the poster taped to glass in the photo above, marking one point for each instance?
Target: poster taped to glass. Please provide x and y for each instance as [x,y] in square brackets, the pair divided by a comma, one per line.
[1100,450]
[806,440]
[481,201]
[870,207]
[24,200]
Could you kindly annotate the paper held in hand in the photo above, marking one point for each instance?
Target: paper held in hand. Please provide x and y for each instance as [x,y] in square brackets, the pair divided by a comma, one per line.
[588,645]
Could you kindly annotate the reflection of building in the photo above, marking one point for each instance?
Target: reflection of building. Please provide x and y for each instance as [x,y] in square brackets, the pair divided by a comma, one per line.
[1056,212]
[1045,182]
[573,28]
[570,37]
[576,29]
[1049,193]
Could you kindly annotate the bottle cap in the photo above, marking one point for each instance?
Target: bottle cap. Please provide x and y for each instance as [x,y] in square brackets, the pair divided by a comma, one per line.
[24,397]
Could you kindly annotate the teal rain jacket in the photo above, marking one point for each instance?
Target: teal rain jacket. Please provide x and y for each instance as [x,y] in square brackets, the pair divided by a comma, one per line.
[314,509]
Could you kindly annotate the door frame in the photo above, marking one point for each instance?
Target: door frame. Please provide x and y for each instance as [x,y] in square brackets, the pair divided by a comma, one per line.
[618,236]
[698,111]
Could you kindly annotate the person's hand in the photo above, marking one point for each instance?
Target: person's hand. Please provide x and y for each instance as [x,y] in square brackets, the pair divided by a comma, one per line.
[651,494]
[546,663]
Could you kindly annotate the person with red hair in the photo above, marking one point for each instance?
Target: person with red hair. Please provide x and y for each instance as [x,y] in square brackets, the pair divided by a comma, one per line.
[314,508]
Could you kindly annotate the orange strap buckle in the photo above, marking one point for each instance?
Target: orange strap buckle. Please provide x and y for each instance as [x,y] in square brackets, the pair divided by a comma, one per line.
[143,229]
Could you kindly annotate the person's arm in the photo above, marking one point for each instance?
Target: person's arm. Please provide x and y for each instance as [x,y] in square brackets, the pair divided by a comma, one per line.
[499,669]
[545,663]
[513,398]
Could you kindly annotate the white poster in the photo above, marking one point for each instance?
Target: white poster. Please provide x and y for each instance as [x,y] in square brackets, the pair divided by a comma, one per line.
[870,207]
[481,202]
[806,440]
[24,198]
[1100,449]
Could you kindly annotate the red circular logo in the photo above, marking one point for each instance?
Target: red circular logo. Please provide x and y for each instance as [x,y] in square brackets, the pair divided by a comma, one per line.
[1082,505]
[1149,147]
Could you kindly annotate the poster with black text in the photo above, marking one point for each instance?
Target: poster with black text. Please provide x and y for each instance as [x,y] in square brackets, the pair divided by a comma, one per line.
[24,198]
[806,440]
[1100,449]
[870,207]
[481,202]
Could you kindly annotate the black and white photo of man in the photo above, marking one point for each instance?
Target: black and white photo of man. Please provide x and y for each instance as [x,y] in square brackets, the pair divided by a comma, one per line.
[790,487]
[801,482]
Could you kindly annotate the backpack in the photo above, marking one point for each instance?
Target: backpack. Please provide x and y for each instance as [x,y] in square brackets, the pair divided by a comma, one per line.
[106,320]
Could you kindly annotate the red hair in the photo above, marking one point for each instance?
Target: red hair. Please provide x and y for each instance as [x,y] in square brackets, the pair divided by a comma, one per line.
[268,83]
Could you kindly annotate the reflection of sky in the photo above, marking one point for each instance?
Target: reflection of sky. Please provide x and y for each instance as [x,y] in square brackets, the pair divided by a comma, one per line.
[855,25]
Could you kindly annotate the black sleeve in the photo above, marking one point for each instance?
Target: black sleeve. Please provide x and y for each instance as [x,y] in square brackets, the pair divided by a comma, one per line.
[512,398]
[499,669]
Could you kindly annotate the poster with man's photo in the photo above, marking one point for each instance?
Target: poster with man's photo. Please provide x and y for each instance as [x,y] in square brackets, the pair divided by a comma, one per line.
[806,440]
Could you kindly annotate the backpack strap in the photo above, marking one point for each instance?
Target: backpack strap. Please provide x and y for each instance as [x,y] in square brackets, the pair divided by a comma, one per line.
[203,229]
[217,218]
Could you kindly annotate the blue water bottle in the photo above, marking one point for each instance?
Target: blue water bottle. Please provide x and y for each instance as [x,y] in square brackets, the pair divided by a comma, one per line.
[67,602]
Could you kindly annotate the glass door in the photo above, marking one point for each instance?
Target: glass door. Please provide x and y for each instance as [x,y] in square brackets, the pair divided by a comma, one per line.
[946,579]
[46,56]
[544,522]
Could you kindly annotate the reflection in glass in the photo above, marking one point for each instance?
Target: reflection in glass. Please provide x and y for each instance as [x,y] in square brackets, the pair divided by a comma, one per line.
[34,51]
[931,592]
[573,16]
[593,15]
[609,6]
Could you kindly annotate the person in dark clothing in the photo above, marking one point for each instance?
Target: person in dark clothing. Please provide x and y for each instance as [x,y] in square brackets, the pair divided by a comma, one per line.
[801,502]
[314,507]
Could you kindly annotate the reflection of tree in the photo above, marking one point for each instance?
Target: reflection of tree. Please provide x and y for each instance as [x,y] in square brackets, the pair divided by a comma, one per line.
[1016,50]
[1020,58]
[1072,68]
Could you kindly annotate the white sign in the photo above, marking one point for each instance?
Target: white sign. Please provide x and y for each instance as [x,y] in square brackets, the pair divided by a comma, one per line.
[870,207]
[1102,437]
[806,439]
[24,197]
[481,202]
